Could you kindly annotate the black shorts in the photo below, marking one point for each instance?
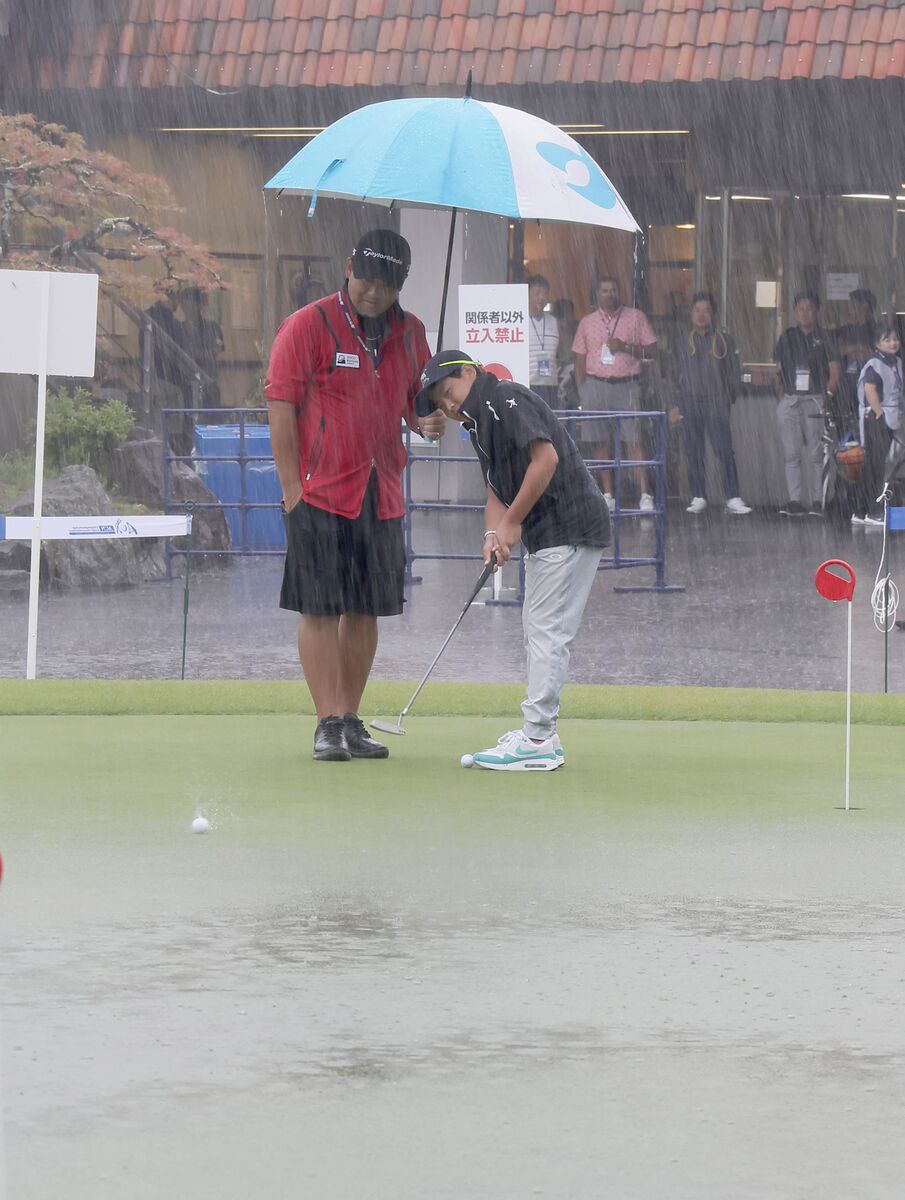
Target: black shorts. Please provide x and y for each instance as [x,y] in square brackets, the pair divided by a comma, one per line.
[335,565]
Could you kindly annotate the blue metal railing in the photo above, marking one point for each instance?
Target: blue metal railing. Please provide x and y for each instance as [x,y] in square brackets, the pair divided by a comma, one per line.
[614,561]
[243,545]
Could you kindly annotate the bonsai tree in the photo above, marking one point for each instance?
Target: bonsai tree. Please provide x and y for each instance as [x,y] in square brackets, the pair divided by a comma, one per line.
[66,207]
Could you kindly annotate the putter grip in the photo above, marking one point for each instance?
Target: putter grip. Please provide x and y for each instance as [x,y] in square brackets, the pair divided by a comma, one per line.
[485,575]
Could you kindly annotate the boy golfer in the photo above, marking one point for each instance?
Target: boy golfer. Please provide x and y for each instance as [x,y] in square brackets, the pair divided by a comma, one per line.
[540,492]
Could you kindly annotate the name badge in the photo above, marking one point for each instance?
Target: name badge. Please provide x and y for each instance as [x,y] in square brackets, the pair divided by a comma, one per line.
[606,356]
[802,380]
[544,369]
[346,360]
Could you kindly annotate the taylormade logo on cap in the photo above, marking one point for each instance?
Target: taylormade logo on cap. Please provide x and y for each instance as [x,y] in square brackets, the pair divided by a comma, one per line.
[369,253]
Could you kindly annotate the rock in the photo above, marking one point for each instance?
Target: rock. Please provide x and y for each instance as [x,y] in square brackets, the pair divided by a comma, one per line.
[14,582]
[138,474]
[92,563]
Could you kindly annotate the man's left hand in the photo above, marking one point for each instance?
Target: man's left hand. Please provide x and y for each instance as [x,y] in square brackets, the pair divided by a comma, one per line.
[617,345]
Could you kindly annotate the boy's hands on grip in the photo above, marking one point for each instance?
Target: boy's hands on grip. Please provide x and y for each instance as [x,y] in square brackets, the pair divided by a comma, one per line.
[500,541]
[432,426]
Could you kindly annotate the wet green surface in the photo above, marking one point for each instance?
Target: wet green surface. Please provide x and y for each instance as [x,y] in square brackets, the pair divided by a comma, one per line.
[673,968]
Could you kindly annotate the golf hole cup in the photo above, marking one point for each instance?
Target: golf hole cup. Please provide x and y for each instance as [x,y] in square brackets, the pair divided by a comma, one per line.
[839,584]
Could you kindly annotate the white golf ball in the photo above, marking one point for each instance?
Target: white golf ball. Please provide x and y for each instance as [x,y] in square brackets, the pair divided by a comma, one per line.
[467,760]
[201,825]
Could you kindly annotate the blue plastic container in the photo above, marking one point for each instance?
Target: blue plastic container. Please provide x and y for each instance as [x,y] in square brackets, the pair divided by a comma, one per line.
[263,526]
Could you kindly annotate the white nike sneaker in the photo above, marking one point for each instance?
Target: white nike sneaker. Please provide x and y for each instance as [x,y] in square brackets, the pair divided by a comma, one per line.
[697,505]
[515,752]
[646,503]
[738,506]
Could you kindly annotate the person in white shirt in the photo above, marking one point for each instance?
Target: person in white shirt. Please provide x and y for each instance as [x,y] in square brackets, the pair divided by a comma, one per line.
[543,341]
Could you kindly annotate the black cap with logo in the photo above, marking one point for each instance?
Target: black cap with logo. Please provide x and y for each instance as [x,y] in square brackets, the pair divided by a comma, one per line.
[382,254]
[439,367]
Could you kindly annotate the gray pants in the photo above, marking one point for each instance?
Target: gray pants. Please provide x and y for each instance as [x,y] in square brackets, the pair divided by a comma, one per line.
[597,396]
[800,430]
[557,583]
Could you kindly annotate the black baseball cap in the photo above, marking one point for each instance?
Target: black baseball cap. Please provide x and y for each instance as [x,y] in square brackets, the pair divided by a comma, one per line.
[382,254]
[439,367]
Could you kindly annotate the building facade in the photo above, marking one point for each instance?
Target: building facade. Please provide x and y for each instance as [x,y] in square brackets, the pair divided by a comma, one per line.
[759,143]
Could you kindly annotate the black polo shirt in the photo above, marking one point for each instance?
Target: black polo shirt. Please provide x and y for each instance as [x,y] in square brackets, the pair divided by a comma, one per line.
[812,352]
[503,419]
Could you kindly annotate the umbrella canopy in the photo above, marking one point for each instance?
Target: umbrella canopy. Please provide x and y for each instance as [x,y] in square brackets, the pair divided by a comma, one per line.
[456,153]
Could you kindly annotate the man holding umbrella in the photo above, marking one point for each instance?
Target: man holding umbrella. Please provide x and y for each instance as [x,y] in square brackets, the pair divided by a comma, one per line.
[343,375]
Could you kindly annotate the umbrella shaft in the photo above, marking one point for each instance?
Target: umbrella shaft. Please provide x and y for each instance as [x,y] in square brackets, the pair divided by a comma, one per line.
[449,251]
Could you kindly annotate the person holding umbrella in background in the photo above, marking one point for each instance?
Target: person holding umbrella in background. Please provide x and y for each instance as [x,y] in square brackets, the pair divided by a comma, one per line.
[343,375]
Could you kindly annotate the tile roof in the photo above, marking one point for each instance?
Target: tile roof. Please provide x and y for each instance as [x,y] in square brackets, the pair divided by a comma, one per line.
[432,43]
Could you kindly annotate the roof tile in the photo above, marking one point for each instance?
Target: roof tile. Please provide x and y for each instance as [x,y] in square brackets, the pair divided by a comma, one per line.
[896,66]
[835,53]
[868,58]
[594,65]
[292,43]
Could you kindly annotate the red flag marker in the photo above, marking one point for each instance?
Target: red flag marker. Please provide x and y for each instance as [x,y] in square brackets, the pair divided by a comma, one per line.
[839,584]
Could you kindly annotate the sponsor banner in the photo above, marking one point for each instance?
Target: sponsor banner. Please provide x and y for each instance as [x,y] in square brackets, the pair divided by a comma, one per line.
[87,528]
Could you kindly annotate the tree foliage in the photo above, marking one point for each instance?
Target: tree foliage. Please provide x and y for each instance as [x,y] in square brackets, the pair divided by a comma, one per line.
[64,206]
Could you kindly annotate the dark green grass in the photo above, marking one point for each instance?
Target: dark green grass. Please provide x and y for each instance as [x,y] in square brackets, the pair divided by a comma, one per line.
[386,699]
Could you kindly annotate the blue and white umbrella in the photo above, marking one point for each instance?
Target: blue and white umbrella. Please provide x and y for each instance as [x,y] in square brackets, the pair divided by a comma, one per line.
[456,153]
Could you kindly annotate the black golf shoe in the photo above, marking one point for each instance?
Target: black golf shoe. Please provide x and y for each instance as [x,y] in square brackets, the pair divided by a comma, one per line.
[359,741]
[330,741]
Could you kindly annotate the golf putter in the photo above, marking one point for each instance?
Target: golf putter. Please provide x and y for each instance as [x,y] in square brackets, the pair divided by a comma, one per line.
[389,726]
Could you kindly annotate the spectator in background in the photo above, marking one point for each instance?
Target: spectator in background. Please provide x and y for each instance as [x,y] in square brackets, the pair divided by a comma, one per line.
[305,290]
[202,340]
[880,416]
[855,342]
[159,339]
[610,345]
[707,377]
[543,341]
[564,311]
[807,378]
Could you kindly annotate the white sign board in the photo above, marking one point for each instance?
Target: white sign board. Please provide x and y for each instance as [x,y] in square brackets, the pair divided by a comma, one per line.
[765,291]
[841,284]
[493,328]
[72,323]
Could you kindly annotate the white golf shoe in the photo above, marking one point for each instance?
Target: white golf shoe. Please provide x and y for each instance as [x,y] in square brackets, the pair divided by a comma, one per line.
[738,506]
[515,752]
[697,505]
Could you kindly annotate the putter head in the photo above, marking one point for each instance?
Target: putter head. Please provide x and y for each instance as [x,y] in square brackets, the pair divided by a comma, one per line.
[389,727]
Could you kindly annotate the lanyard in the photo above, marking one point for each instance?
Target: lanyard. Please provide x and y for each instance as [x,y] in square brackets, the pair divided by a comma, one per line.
[543,331]
[376,355]
[611,333]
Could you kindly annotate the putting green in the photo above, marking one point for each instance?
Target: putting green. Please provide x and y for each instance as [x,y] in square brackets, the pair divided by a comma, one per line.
[262,764]
[649,964]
